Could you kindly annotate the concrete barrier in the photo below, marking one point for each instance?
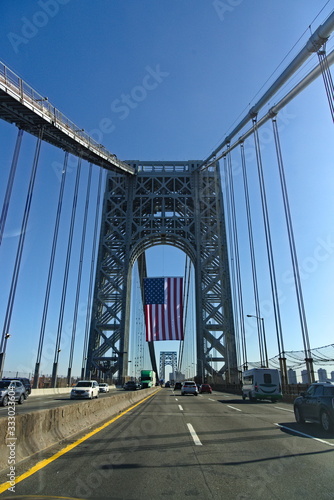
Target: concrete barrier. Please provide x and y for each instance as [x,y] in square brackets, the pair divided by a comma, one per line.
[56,390]
[36,431]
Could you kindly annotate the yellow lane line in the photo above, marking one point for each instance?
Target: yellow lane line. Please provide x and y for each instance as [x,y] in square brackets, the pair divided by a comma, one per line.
[40,465]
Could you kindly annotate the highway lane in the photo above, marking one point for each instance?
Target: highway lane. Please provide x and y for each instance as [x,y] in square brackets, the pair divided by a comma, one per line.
[35,403]
[209,447]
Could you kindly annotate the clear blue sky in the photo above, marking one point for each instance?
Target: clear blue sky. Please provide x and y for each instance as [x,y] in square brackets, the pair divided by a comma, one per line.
[166,80]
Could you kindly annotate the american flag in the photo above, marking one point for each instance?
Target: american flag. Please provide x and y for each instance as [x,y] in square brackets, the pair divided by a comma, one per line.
[163,308]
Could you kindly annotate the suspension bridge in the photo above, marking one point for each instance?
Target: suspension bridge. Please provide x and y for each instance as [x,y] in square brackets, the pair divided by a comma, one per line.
[133,205]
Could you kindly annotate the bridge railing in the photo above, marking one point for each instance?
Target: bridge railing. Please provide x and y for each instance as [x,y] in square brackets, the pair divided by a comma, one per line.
[21,91]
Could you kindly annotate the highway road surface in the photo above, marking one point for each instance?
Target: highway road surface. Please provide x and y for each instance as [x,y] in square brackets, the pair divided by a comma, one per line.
[43,402]
[213,446]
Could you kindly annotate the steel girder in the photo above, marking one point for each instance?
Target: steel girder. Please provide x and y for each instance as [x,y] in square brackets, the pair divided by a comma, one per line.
[163,203]
[167,358]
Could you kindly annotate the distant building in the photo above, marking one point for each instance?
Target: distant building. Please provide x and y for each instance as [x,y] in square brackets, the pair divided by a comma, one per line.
[305,377]
[322,374]
[292,376]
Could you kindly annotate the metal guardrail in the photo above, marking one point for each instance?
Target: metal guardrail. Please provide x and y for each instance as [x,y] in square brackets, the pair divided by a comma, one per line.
[22,92]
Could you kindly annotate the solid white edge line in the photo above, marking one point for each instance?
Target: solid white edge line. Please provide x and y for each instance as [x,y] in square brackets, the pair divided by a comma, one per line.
[180,407]
[303,434]
[194,435]
[234,408]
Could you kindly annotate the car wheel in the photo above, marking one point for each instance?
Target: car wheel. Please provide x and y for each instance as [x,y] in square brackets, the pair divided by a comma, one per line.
[5,401]
[244,397]
[21,399]
[298,415]
[325,421]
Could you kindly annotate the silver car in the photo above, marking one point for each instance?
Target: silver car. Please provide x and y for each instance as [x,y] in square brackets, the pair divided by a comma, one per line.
[12,390]
[189,387]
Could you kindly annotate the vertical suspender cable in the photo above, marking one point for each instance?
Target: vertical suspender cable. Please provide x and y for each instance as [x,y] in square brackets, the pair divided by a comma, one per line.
[10,183]
[65,281]
[50,273]
[185,309]
[237,260]
[20,247]
[268,240]
[293,252]
[328,81]
[91,276]
[232,267]
[251,247]
[77,295]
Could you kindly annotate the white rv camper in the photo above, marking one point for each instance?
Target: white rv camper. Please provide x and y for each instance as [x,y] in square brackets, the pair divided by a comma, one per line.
[261,383]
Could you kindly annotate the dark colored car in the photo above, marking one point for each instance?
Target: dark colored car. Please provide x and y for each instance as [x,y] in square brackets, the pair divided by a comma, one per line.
[131,385]
[316,405]
[205,388]
[25,382]
[177,386]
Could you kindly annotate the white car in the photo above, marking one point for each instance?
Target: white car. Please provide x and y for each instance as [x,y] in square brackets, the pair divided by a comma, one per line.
[189,387]
[87,389]
[103,387]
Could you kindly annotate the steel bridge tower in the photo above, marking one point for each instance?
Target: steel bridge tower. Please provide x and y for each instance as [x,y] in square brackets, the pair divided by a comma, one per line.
[167,358]
[165,203]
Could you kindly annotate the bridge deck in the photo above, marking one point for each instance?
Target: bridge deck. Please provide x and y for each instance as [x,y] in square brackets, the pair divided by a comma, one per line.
[28,110]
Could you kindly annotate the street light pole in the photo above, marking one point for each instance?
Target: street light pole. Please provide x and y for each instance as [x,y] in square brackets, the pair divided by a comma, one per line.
[262,342]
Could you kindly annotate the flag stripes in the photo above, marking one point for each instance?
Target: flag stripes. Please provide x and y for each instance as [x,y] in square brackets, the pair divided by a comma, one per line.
[163,307]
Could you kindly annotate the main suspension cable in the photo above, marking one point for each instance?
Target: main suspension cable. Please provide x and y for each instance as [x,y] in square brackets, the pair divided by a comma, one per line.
[10,183]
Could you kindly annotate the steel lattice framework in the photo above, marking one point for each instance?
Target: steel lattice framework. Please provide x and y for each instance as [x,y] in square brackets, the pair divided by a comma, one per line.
[171,203]
[167,358]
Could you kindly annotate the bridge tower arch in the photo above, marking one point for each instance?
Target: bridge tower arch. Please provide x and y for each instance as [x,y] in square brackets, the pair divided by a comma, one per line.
[163,203]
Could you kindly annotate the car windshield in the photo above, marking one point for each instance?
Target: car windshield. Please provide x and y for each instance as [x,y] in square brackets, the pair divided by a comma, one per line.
[84,384]
[4,384]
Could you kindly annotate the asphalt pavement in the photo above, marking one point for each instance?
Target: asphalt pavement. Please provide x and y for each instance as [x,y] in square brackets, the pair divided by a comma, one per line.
[211,446]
